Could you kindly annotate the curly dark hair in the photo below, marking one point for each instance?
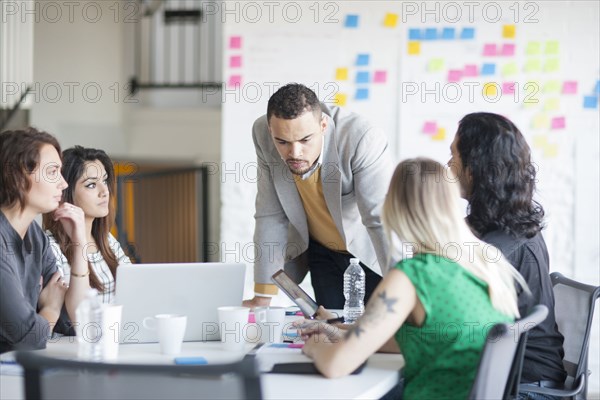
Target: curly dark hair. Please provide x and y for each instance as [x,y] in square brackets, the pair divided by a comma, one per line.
[291,101]
[503,180]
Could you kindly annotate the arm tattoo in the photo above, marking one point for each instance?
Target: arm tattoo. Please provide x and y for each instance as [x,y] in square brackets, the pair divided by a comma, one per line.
[377,309]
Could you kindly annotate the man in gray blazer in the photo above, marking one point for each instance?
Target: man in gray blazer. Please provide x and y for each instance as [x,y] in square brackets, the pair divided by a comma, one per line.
[324,173]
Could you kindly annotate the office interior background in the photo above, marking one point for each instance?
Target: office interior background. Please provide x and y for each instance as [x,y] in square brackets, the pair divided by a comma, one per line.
[170,90]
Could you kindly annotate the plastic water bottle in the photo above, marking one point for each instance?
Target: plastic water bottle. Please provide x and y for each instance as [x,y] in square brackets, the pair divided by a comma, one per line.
[89,327]
[354,291]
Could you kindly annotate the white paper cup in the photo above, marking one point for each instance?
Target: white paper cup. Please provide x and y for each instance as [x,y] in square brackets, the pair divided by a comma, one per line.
[111,326]
[171,330]
[270,321]
[232,326]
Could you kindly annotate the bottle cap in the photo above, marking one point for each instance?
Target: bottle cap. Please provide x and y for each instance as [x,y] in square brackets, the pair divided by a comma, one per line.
[354,261]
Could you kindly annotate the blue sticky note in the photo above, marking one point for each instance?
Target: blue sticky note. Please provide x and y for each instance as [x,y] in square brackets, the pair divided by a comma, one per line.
[351,21]
[279,345]
[448,33]
[488,69]
[597,89]
[362,77]
[467,33]
[362,59]
[362,94]
[414,34]
[430,34]
[190,361]
[590,102]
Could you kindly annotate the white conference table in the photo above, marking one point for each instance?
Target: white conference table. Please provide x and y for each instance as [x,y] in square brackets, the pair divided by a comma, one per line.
[379,376]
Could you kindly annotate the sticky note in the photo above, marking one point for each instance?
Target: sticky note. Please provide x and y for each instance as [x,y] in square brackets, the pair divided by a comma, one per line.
[235,42]
[362,94]
[429,127]
[590,102]
[490,89]
[540,141]
[551,65]
[569,87]
[448,33]
[341,74]
[435,64]
[551,150]
[390,20]
[533,48]
[470,70]
[190,361]
[380,77]
[454,75]
[488,69]
[508,88]
[540,121]
[430,34]
[509,31]
[558,123]
[489,49]
[414,48]
[533,65]
[552,104]
[597,88]
[362,77]
[551,47]
[414,34]
[235,80]
[351,21]
[508,49]
[340,99]
[440,135]
[362,60]
[552,86]
[510,69]
[467,33]
[235,61]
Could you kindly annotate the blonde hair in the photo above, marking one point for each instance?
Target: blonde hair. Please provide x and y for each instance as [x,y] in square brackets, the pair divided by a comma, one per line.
[422,209]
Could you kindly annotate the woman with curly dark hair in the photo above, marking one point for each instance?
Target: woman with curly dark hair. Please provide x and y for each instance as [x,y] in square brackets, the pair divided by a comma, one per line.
[493,163]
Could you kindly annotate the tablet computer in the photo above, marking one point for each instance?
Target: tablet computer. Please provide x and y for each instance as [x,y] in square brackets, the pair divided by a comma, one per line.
[306,304]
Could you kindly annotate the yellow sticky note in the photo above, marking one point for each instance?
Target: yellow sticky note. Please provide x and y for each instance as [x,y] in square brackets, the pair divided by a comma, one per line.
[551,150]
[551,47]
[440,135]
[533,48]
[552,86]
[509,31]
[414,48]
[552,104]
[551,65]
[341,74]
[490,89]
[540,141]
[435,64]
[390,20]
[340,99]
[533,65]
[510,69]
[540,121]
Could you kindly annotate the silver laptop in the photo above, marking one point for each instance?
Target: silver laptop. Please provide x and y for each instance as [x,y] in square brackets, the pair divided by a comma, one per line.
[194,289]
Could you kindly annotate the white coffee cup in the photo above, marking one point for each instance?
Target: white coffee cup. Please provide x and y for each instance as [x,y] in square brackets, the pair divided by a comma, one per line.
[111,327]
[270,321]
[232,326]
[171,330]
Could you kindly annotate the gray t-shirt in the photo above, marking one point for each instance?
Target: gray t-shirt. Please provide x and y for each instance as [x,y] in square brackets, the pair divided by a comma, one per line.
[22,263]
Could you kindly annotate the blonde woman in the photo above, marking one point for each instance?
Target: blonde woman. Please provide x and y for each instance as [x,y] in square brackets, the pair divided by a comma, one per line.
[436,307]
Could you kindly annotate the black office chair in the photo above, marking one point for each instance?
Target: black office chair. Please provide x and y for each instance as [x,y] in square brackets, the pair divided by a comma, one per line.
[52,378]
[498,372]
[574,309]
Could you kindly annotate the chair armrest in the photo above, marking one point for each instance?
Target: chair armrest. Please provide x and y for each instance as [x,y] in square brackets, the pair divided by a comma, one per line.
[556,391]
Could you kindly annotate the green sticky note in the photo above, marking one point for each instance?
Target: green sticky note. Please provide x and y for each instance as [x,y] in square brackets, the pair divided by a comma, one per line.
[551,47]
[533,65]
[435,64]
[533,48]
[551,65]
[552,104]
[552,86]
[509,69]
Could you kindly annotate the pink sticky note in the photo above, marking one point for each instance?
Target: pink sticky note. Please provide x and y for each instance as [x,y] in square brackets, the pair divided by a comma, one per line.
[470,70]
[296,345]
[251,318]
[569,87]
[430,127]
[235,61]
[235,42]
[489,49]
[508,88]
[508,49]
[454,75]
[235,80]
[380,77]
[558,123]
